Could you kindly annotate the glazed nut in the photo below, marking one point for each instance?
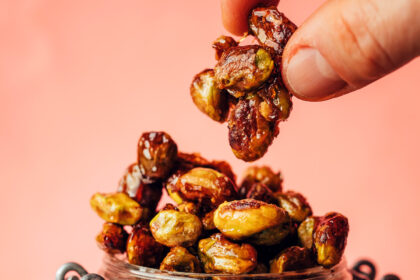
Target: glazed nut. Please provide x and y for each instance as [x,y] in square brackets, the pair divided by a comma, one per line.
[174,228]
[277,103]
[250,134]
[260,174]
[156,155]
[205,186]
[208,221]
[219,255]
[112,239]
[116,208]
[243,68]
[241,219]
[180,259]
[330,239]
[222,44]
[271,28]
[306,231]
[142,248]
[208,98]
[223,167]
[292,258]
[147,195]
[295,204]
[259,191]
[189,207]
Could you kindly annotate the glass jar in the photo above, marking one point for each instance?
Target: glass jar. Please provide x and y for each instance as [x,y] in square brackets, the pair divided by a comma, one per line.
[115,267]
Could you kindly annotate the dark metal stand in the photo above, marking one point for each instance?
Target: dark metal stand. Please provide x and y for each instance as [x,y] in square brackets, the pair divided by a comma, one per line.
[368,269]
[77,268]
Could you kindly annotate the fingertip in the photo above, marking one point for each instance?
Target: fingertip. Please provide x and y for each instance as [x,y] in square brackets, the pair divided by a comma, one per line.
[235,13]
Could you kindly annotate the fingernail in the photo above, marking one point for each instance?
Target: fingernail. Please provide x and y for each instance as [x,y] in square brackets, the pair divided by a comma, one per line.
[311,77]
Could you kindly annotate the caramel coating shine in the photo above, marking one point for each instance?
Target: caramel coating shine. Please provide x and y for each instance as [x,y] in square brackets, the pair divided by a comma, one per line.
[219,255]
[292,258]
[295,204]
[142,248]
[156,155]
[146,194]
[250,134]
[271,28]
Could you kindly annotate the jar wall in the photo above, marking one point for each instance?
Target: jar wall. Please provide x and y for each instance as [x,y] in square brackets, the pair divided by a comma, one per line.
[115,267]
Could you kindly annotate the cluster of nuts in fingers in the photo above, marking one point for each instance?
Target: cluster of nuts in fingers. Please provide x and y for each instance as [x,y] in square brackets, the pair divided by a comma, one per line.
[214,224]
[245,87]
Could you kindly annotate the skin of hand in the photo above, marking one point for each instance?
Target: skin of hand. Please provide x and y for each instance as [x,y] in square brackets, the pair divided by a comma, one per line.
[343,46]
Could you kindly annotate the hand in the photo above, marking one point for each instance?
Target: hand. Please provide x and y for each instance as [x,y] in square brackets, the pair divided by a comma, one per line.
[345,45]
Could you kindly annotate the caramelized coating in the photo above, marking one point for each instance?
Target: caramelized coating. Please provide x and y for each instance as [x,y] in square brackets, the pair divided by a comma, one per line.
[116,208]
[259,191]
[241,219]
[277,103]
[174,228]
[171,186]
[147,195]
[222,44]
[292,258]
[271,28]
[261,174]
[330,239]
[306,231]
[205,186]
[223,167]
[208,221]
[169,206]
[112,239]
[187,162]
[157,153]
[179,259]
[243,68]
[189,207]
[208,98]
[295,204]
[142,248]
[250,134]
[219,255]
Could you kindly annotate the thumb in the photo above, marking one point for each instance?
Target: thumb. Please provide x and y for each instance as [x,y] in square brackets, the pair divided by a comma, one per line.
[347,44]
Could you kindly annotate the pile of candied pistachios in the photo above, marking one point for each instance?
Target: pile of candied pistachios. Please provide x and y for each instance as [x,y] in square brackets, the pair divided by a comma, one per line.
[216,226]
[245,88]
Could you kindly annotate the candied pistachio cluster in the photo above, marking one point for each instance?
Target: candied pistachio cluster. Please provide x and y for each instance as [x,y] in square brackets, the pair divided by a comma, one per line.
[245,88]
[216,226]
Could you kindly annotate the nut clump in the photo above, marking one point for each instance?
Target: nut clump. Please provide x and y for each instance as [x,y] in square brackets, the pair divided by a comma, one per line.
[251,75]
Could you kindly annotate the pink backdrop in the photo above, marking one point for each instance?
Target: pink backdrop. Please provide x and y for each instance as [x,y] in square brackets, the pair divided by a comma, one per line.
[81,80]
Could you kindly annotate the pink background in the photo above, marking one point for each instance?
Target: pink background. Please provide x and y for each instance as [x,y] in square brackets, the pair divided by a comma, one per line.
[81,80]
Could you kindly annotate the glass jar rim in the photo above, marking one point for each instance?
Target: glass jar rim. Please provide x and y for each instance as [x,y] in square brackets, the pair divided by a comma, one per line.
[118,264]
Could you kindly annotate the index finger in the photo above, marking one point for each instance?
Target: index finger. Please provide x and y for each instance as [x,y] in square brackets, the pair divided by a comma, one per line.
[235,13]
